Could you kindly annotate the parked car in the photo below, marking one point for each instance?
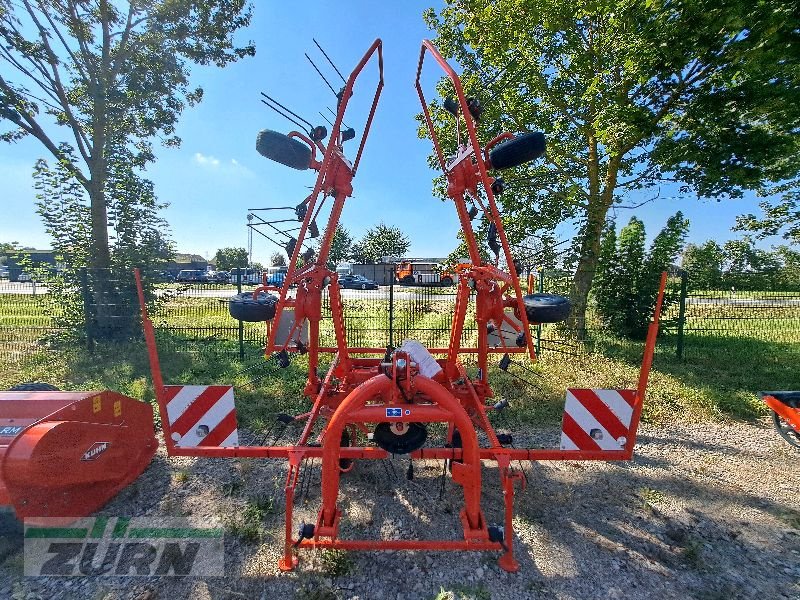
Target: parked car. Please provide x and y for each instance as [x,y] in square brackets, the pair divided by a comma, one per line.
[192,275]
[357,282]
[276,279]
[4,272]
[218,276]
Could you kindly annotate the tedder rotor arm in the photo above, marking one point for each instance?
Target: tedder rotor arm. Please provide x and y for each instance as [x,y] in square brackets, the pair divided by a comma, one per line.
[334,178]
[464,173]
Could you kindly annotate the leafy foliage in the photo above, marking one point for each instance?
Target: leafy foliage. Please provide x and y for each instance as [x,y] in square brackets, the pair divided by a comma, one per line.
[110,76]
[630,94]
[276,259]
[703,264]
[7,248]
[461,253]
[739,264]
[229,258]
[627,279]
[108,298]
[379,241]
[341,247]
[780,217]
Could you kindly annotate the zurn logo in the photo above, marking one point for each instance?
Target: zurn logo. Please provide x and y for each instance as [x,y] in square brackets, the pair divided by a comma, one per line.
[121,546]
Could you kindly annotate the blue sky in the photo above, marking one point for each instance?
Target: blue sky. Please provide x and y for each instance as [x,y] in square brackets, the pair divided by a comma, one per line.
[216,175]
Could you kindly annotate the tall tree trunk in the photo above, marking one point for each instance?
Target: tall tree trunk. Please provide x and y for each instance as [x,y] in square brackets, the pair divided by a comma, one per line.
[587,266]
[598,204]
[100,255]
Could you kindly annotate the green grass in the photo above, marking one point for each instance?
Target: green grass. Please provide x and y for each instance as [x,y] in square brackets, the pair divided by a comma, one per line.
[336,563]
[718,378]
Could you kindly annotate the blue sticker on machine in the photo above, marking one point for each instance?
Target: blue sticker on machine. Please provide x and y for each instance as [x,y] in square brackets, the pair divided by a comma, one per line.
[10,430]
[394,412]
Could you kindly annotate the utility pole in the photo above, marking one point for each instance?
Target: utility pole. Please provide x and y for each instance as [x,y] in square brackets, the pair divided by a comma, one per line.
[249,239]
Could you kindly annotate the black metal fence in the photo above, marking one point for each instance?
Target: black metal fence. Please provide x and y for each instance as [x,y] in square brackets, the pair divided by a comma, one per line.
[37,316]
[751,308]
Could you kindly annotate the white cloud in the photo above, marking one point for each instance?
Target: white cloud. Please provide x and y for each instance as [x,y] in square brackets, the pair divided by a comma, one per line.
[206,161]
[230,167]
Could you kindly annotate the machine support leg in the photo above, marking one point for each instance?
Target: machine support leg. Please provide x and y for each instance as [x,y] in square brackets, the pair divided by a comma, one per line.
[507,562]
[289,560]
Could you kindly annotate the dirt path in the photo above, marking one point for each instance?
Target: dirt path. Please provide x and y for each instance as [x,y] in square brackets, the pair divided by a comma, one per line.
[705,511]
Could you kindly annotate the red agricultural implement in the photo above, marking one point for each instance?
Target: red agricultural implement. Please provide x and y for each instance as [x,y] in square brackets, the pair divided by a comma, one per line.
[376,402]
[785,408]
[65,454]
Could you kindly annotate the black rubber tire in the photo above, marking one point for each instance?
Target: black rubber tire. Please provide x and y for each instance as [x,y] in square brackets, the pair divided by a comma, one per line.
[283,149]
[408,280]
[518,151]
[34,386]
[244,308]
[790,435]
[446,281]
[363,286]
[546,308]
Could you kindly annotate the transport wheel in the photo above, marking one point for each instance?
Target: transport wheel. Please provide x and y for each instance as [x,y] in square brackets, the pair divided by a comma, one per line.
[518,151]
[546,308]
[446,281]
[363,286]
[408,280]
[244,308]
[786,431]
[283,149]
[34,386]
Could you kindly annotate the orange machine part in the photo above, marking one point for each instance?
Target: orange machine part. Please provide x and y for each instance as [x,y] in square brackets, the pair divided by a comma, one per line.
[66,454]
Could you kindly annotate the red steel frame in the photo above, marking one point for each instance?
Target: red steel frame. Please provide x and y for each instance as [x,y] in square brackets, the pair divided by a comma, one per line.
[359,391]
[786,412]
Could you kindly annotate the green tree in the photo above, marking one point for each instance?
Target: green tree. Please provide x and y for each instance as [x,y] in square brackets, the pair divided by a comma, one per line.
[630,94]
[341,247]
[780,216]
[703,264]
[137,240]
[276,259]
[790,267]
[742,256]
[379,241]
[6,249]
[628,275]
[107,75]
[229,258]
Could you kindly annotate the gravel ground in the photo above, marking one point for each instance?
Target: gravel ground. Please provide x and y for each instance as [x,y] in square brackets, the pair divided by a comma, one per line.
[705,511]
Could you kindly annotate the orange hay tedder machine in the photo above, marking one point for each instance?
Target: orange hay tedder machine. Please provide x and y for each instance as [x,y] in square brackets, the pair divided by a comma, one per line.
[373,402]
[371,408]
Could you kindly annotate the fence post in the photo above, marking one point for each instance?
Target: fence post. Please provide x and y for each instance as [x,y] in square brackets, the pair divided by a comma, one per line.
[682,313]
[391,312]
[241,323]
[539,326]
[87,312]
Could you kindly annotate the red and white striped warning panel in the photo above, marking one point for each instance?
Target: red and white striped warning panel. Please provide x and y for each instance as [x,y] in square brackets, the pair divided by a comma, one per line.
[597,419]
[201,415]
